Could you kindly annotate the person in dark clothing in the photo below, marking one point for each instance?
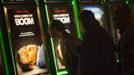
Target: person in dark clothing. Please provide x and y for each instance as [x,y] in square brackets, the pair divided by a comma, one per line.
[1,66]
[124,22]
[68,47]
[96,56]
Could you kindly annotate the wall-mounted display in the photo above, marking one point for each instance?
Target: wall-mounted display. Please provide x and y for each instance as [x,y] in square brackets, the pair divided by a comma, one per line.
[26,40]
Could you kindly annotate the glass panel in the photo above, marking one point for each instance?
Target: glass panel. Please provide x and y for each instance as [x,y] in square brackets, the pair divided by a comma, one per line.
[64,13]
[98,11]
[26,39]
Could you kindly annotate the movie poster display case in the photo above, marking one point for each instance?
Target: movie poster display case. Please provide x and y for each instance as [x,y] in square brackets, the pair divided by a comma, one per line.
[26,39]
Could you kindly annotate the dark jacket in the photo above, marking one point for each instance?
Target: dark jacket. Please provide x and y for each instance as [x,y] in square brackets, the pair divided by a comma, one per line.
[126,47]
[70,54]
[96,56]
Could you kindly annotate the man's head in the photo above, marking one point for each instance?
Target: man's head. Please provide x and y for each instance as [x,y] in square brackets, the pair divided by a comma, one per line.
[57,28]
[87,18]
[123,17]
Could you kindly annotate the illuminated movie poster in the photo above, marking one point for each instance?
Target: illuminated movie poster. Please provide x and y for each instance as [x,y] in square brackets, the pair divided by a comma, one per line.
[98,12]
[26,41]
[64,17]
[64,13]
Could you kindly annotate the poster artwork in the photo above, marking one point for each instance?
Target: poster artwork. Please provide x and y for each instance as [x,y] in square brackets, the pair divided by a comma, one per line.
[27,45]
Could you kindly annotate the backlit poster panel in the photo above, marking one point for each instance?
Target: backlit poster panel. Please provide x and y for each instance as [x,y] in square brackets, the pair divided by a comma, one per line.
[64,17]
[64,13]
[98,12]
[26,41]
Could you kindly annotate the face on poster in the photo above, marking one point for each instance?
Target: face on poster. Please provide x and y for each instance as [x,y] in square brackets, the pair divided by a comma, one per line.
[26,40]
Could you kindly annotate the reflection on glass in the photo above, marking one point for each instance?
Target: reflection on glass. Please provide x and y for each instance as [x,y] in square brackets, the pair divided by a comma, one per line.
[64,13]
[60,58]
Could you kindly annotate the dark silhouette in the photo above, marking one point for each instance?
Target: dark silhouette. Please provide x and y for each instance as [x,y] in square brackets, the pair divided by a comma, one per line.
[68,47]
[124,22]
[1,67]
[96,56]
